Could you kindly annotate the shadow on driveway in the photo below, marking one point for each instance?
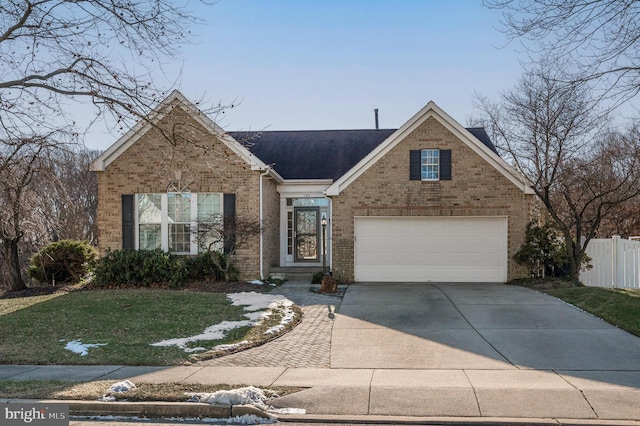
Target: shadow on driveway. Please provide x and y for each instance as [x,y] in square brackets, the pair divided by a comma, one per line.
[478,326]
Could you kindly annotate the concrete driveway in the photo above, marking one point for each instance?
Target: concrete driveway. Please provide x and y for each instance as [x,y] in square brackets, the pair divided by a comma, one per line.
[473,326]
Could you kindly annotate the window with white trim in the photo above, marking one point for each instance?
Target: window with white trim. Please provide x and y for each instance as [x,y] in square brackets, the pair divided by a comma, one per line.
[430,164]
[169,221]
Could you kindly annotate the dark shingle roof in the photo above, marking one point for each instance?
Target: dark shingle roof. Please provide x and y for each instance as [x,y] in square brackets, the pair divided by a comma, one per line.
[481,134]
[309,154]
[320,154]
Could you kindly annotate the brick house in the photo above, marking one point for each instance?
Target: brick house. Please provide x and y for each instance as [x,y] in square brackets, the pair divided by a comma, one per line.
[430,201]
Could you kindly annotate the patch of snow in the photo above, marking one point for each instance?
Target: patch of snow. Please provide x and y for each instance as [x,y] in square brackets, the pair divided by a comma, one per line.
[287,410]
[259,306]
[247,395]
[118,387]
[246,419]
[240,396]
[288,315]
[121,387]
[214,332]
[231,346]
[256,282]
[250,419]
[76,346]
[254,301]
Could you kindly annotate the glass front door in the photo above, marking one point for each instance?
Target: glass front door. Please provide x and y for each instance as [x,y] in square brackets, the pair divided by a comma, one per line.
[307,236]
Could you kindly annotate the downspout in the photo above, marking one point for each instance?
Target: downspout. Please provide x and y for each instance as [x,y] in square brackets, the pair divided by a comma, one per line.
[262,175]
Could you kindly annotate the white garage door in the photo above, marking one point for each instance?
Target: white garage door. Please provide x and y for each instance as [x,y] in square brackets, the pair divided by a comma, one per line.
[418,249]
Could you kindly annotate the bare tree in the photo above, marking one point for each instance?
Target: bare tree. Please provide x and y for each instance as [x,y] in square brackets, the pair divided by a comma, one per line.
[107,55]
[223,238]
[73,198]
[110,53]
[22,164]
[600,39]
[554,135]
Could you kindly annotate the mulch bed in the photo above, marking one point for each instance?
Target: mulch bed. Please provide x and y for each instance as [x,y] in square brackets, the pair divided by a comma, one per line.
[201,285]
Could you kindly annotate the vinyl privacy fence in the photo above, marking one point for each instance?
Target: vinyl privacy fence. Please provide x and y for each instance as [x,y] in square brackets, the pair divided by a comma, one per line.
[616,263]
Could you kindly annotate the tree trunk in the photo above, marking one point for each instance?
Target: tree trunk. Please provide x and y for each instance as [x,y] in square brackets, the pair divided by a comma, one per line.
[575,259]
[225,270]
[13,265]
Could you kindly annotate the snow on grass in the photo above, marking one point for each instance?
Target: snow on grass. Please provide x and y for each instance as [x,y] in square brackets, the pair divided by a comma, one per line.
[249,395]
[121,387]
[258,307]
[214,332]
[76,346]
[247,419]
[241,396]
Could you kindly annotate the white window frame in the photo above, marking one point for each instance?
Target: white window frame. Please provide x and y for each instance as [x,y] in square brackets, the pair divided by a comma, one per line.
[164,224]
[427,164]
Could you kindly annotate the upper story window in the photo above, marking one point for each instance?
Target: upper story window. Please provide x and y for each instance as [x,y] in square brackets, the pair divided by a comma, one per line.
[430,164]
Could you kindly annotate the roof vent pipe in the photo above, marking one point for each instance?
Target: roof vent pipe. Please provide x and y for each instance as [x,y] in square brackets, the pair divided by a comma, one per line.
[375,111]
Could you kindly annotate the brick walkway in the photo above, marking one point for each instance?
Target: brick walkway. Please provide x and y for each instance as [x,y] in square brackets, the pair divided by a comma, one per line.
[307,345]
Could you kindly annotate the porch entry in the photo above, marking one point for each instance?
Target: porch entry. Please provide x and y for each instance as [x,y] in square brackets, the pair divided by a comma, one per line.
[304,230]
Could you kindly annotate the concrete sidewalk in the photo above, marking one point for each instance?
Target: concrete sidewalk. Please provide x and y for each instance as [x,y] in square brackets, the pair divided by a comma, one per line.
[522,394]
[464,353]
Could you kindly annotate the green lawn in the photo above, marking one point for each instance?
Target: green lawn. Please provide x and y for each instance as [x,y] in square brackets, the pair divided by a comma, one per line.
[35,330]
[620,307]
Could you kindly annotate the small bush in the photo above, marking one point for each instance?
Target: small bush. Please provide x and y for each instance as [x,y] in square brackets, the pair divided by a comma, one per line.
[543,251]
[202,266]
[142,268]
[62,262]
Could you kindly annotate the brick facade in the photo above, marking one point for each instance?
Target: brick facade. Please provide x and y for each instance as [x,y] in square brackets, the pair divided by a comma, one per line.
[384,189]
[200,160]
[204,164]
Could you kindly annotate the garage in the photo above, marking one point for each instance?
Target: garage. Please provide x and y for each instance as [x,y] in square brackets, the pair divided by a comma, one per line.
[439,249]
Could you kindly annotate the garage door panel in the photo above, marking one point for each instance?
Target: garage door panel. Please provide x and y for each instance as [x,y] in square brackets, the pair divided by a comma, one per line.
[469,249]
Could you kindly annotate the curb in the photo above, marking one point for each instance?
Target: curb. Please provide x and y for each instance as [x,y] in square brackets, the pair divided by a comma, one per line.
[446,421]
[150,409]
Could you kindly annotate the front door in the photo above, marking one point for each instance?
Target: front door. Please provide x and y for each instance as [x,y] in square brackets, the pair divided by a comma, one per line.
[306,237]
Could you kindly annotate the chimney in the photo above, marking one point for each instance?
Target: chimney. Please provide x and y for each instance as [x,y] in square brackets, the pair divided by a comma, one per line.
[375,111]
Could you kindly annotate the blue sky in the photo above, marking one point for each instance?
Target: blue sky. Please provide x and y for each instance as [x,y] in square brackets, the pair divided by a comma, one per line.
[294,65]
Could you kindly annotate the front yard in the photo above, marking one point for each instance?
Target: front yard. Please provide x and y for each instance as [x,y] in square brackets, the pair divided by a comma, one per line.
[620,307]
[122,326]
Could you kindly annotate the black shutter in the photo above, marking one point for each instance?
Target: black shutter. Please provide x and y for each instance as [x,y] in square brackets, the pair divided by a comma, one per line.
[445,164]
[128,222]
[415,165]
[229,222]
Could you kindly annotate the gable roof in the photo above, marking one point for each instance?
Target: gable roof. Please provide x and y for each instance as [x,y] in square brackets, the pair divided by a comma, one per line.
[174,100]
[467,136]
[321,154]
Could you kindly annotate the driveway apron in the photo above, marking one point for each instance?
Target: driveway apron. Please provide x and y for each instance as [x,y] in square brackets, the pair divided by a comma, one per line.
[473,326]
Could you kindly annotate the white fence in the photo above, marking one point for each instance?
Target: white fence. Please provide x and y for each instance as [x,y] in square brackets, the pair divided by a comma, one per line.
[616,263]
